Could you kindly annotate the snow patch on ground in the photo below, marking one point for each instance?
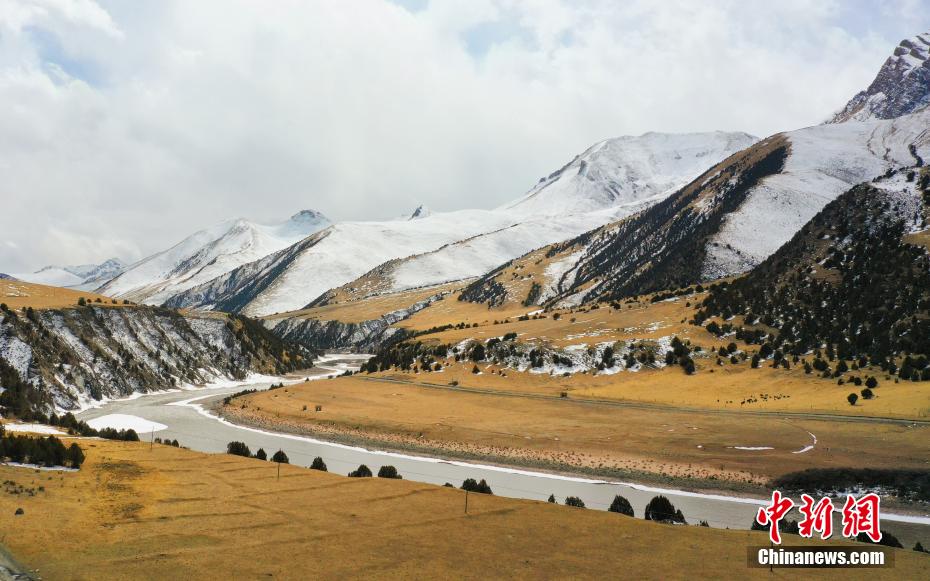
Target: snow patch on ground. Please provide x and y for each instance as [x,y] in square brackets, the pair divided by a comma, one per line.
[126,422]
[34,429]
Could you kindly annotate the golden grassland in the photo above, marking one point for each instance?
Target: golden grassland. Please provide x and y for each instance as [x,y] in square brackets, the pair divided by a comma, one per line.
[664,443]
[136,513]
[356,311]
[19,295]
[726,386]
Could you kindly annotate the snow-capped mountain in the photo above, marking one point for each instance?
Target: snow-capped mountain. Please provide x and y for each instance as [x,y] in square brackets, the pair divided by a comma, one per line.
[436,247]
[421,212]
[83,277]
[724,223]
[902,85]
[208,254]
[628,170]
[4,276]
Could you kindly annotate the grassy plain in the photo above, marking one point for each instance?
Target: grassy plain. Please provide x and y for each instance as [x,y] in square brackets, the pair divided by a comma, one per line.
[696,446]
[19,295]
[168,513]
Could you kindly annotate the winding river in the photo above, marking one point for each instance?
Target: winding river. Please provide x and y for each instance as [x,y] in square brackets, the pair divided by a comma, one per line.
[184,415]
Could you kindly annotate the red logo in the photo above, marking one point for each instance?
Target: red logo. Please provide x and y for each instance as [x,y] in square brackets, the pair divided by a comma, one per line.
[817,517]
[859,516]
[772,514]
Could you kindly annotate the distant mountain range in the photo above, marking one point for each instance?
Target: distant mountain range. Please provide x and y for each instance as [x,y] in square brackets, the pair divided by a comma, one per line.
[208,254]
[612,179]
[629,215]
[83,277]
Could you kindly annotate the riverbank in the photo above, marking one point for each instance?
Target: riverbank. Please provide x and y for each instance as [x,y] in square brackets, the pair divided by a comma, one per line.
[488,455]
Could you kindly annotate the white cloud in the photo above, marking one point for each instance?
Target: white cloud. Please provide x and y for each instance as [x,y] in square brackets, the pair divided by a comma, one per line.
[128,125]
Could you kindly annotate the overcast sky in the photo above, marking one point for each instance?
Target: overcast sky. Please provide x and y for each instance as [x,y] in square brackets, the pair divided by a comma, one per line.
[127,125]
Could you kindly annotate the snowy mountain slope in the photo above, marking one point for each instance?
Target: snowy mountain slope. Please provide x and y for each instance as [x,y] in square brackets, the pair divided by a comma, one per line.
[295,276]
[83,277]
[825,161]
[722,224]
[901,87]
[67,358]
[208,254]
[457,245]
[472,257]
[626,170]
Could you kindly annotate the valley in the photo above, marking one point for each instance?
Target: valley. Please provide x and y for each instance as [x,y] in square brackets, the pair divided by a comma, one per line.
[709,316]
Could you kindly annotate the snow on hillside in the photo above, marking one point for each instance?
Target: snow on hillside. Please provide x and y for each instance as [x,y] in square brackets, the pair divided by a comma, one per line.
[83,277]
[626,170]
[353,248]
[480,254]
[208,254]
[824,162]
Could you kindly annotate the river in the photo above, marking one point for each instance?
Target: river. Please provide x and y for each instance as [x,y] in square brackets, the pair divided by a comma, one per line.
[183,414]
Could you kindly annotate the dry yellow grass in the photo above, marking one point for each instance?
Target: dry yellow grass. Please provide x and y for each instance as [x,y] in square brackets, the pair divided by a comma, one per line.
[19,295]
[728,386]
[667,442]
[132,513]
[636,320]
[356,311]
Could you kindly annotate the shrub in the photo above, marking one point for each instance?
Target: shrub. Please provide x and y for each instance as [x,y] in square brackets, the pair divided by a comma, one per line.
[261,454]
[480,487]
[867,393]
[238,449]
[318,464]
[75,455]
[280,457]
[49,451]
[852,398]
[389,472]
[361,472]
[661,509]
[871,383]
[621,505]
[552,500]
[574,501]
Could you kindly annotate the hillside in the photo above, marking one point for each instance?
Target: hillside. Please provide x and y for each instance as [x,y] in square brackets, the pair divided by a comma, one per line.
[208,254]
[611,180]
[68,356]
[855,279]
[200,516]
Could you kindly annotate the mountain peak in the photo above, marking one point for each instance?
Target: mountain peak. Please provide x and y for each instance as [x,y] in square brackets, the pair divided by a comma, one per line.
[421,212]
[902,85]
[628,171]
[308,216]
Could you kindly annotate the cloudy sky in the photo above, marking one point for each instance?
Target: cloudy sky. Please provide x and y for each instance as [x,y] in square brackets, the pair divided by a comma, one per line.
[126,125]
